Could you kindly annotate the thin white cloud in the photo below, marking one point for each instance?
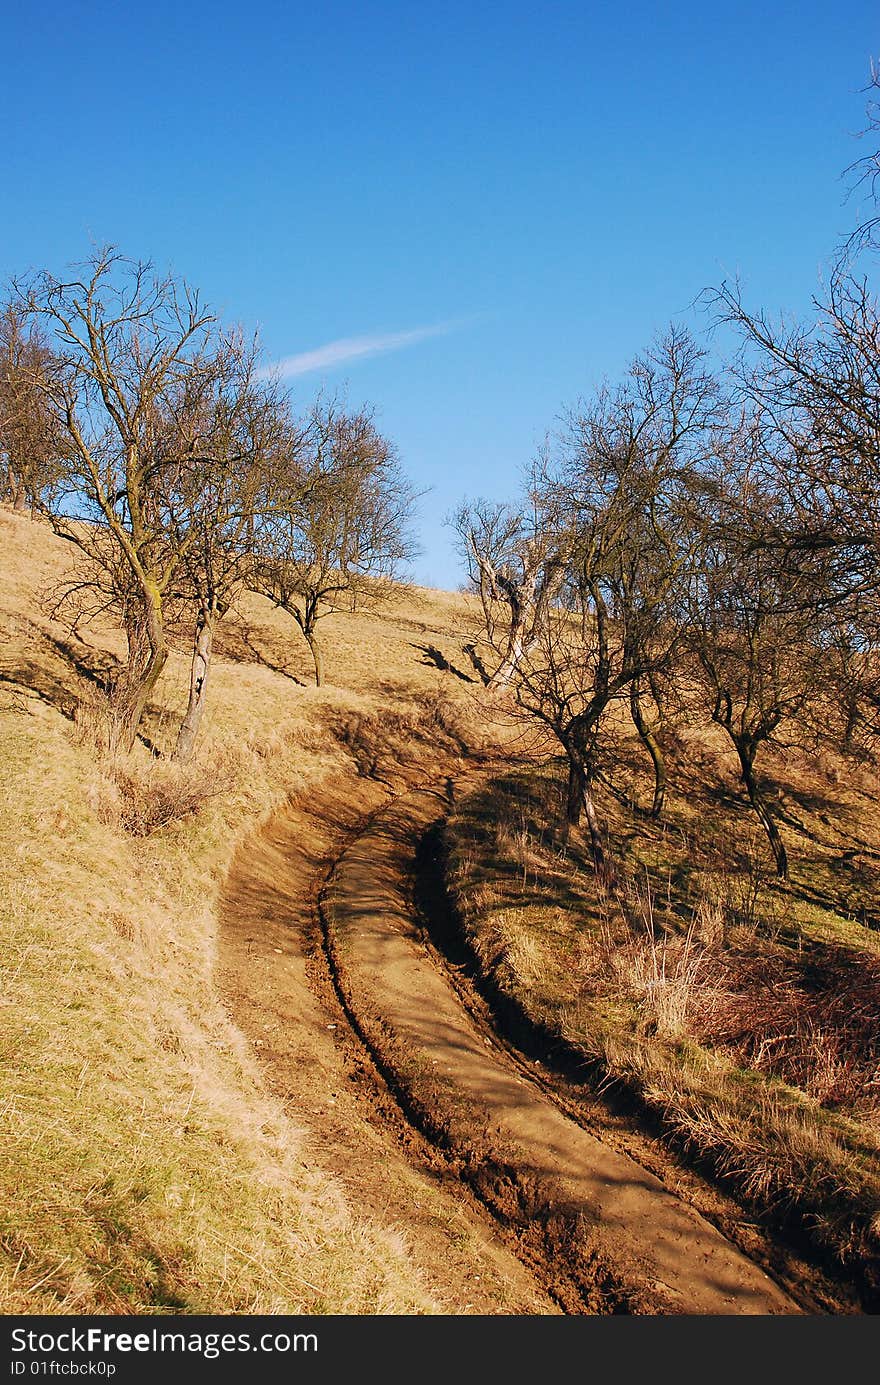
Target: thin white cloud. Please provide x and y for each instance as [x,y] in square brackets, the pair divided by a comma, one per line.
[336,353]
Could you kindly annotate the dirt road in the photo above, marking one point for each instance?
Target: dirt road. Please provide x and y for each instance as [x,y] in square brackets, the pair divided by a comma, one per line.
[272,971]
[628,1244]
[425,1116]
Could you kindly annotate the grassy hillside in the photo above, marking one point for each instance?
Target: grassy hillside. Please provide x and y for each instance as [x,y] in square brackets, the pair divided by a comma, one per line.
[144,1165]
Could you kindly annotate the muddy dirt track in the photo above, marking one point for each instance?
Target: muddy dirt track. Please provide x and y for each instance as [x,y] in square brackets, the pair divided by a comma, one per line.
[436,1128]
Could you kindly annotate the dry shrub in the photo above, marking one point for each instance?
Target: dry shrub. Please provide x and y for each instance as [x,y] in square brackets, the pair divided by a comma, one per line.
[145,798]
[709,922]
[658,969]
[514,842]
[812,1019]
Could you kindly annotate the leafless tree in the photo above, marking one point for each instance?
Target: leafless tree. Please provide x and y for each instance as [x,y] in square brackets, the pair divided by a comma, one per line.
[814,386]
[30,443]
[335,533]
[515,556]
[125,339]
[623,471]
[236,425]
[756,617]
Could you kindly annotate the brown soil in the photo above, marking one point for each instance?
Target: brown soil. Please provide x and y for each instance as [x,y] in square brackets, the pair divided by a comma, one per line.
[273,973]
[505,1199]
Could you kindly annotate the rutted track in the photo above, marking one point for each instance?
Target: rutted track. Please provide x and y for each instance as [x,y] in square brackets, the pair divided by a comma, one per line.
[485,1225]
[273,973]
[612,1238]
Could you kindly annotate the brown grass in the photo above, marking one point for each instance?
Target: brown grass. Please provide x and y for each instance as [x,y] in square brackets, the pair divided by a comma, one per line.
[143,1164]
[145,1167]
[743,1013]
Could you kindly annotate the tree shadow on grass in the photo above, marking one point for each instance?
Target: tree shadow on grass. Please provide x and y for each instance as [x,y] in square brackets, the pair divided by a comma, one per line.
[436,657]
[237,641]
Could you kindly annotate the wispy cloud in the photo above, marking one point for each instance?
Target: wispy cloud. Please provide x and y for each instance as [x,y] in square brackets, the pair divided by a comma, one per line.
[337,353]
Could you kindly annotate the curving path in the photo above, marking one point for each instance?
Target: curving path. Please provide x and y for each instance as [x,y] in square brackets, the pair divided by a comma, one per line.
[608,1226]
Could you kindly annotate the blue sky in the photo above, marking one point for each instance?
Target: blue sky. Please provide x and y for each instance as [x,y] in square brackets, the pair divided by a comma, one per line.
[466,214]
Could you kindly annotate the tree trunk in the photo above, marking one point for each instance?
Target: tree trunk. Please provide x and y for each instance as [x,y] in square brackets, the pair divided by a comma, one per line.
[149,679]
[505,670]
[852,721]
[579,800]
[198,684]
[647,737]
[574,799]
[147,654]
[317,656]
[17,490]
[747,762]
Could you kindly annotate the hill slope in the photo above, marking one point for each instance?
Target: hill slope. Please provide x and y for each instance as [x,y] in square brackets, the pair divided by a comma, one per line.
[146,1164]
[197,1120]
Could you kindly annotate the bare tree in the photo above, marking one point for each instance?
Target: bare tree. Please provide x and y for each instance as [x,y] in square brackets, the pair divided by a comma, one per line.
[515,557]
[624,470]
[236,425]
[815,387]
[335,534]
[125,339]
[756,617]
[29,438]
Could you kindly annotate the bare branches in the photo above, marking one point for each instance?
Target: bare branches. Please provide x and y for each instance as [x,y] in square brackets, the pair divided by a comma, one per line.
[334,528]
[753,620]
[515,557]
[864,173]
[30,441]
[125,340]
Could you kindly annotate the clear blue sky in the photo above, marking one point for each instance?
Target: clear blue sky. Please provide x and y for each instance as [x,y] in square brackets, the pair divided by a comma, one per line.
[490,206]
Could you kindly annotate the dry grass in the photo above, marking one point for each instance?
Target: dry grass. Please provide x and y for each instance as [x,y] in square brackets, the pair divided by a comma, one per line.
[143,1164]
[745,1014]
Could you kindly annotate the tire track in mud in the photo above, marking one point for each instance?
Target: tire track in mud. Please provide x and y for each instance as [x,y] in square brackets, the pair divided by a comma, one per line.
[592,1099]
[273,975]
[610,1236]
